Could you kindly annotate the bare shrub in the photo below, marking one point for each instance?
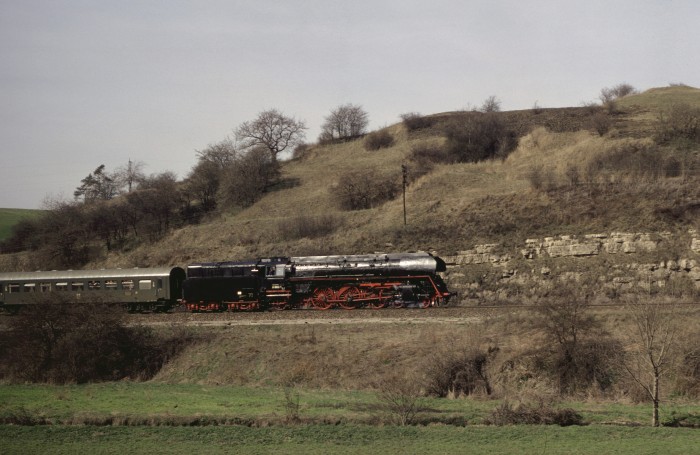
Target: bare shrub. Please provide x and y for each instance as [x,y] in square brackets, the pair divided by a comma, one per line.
[292,404]
[307,227]
[535,176]
[80,343]
[413,121]
[672,167]
[460,372]
[610,95]
[579,354]
[358,190]
[541,178]
[624,89]
[572,174]
[523,414]
[301,151]
[627,160]
[479,136]
[590,107]
[402,397]
[21,416]
[601,123]
[536,108]
[681,122]
[425,155]
[378,140]
[688,377]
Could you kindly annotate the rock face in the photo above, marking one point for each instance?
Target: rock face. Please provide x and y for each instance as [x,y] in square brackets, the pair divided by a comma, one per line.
[589,245]
[481,254]
[616,250]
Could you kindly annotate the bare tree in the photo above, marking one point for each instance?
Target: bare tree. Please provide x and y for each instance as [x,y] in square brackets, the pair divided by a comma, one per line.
[222,153]
[344,122]
[130,176]
[203,182]
[491,104]
[654,339]
[609,94]
[155,203]
[248,178]
[65,236]
[272,130]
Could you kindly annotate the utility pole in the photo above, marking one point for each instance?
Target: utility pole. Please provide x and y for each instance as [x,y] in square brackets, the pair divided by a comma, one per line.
[404,172]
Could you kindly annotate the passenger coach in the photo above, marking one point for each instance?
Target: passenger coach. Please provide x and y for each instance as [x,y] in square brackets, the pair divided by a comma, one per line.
[147,289]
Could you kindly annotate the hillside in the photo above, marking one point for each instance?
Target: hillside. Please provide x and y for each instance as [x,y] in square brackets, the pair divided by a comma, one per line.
[450,208]
[568,179]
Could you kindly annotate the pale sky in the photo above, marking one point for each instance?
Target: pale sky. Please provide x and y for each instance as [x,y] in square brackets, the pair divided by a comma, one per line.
[84,83]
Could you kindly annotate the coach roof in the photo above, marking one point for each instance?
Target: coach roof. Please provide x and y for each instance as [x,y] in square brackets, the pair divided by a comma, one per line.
[156,272]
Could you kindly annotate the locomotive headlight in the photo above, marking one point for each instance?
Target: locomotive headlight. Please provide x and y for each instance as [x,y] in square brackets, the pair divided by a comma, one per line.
[239,293]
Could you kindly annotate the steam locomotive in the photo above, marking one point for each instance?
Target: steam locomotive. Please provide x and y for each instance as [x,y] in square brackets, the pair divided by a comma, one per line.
[319,282]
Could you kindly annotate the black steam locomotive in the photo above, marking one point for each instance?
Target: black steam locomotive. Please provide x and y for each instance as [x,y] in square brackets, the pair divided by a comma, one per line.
[320,282]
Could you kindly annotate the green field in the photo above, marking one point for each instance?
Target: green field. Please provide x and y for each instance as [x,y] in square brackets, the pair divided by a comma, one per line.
[347,439]
[128,417]
[10,217]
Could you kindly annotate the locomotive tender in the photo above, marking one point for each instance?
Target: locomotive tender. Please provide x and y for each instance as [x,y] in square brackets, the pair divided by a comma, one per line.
[319,282]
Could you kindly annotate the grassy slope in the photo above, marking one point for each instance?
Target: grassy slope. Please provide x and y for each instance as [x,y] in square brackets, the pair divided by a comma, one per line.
[10,217]
[451,208]
[662,98]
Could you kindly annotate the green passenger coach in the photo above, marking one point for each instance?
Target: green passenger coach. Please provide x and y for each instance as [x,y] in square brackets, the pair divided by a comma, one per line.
[138,289]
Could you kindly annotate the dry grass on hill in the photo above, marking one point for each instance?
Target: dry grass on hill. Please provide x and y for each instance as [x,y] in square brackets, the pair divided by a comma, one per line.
[452,207]
[361,356]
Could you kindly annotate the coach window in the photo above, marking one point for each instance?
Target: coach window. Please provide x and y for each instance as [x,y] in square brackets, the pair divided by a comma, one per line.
[29,287]
[145,285]
[13,288]
[62,286]
[45,287]
[94,285]
[127,284]
[77,286]
[111,285]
